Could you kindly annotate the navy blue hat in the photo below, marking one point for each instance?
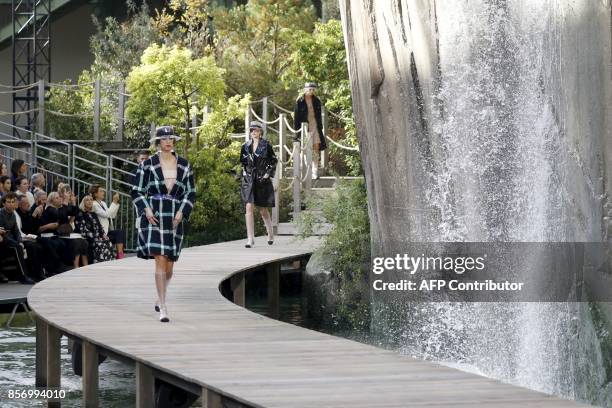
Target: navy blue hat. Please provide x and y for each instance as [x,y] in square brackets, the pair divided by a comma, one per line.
[164,132]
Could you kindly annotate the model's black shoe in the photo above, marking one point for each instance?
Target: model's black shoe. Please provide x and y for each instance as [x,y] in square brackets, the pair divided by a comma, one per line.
[157,307]
[270,241]
[249,244]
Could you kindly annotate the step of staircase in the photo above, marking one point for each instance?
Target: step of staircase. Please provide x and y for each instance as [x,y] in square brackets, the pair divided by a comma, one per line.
[289,228]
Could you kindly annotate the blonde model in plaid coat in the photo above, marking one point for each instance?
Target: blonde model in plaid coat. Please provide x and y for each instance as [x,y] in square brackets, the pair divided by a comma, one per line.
[163,195]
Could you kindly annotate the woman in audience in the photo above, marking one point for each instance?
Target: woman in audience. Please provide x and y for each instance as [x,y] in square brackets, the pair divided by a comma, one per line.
[18,168]
[5,185]
[23,189]
[3,169]
[88,225]
[106,215]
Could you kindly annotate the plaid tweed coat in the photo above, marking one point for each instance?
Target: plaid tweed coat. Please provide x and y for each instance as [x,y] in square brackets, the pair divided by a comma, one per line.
[150,191]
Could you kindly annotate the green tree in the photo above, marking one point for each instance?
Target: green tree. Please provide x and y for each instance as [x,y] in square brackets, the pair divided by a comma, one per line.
[255,43]
[70,111]
[188,24]
[169,87]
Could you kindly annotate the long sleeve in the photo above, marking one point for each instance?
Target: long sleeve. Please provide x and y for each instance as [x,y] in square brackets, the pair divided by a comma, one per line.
[139,189]
[271,161]
[103,212]
[188,194]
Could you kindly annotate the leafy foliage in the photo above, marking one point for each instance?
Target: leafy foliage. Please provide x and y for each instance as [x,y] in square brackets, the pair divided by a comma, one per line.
[75,105]
[169,87]
[347,250]
[255,44]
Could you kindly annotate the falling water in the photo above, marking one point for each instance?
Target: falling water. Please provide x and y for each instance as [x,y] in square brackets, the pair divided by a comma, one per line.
[510,170]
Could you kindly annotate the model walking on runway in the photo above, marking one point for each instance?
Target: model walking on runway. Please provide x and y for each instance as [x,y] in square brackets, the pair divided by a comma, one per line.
[163,194]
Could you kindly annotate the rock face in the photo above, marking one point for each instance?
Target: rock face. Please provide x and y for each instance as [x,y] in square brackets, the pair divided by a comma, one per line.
[487,120]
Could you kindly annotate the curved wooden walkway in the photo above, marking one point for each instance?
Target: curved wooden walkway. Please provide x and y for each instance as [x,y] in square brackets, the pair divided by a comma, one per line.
[224,352]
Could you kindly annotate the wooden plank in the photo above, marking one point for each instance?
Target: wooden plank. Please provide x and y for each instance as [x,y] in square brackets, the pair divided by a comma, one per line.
[54,373]
[145,386]
[90,375]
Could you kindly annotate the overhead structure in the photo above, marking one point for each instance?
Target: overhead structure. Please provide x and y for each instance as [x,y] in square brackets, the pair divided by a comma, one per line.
[31,58]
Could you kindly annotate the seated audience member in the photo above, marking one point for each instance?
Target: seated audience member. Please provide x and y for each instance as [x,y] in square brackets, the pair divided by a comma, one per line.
[67,213]
[11,238]
[19,168]
[5,185]
[37,182]
[106,215]
[40,200]
[23,188]
[34,250]
[49,223]
[88,225]
[3,169]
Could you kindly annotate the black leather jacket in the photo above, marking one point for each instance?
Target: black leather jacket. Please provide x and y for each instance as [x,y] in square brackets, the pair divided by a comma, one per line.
[255,165]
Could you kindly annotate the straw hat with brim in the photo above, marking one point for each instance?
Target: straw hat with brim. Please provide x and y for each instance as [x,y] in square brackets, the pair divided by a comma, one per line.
[312,85]
[164,132]
[255,125]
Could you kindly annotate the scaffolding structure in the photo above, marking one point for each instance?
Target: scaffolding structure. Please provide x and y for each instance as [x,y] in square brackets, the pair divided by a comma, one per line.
[31,58]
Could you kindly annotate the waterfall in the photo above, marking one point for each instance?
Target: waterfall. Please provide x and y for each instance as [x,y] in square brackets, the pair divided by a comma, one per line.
[512,164]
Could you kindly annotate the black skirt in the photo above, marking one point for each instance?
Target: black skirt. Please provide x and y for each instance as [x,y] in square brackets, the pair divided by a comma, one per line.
[260,193]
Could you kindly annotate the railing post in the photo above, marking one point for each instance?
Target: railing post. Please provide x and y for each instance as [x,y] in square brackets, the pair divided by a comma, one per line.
[281,143]
[72,161]
[96,110]
[120,111]
[41,106]
[297,177]
[277,198]
[109,177]
[90,375]
[323,153]
[264,114]
[309,146]
[54,372]
[247,122]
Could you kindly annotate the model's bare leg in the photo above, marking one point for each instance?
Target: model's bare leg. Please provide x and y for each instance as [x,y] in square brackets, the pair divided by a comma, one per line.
[160,284]
[169,273]
[84,260]
[250,225]
[265,215]
[315,160]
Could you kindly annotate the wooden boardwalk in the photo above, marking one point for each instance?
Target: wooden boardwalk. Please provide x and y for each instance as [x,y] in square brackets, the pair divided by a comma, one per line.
[224,352]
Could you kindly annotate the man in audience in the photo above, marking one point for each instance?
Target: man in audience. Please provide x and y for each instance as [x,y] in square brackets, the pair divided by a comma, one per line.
[11,237]
[27,227]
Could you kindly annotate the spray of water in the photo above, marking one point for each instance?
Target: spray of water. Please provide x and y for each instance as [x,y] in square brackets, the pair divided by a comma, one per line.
[504,176]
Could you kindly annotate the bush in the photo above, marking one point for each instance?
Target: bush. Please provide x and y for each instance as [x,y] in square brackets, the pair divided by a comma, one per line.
[346,250]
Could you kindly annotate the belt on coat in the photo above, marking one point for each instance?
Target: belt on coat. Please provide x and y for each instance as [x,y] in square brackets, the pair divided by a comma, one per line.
[164,197]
